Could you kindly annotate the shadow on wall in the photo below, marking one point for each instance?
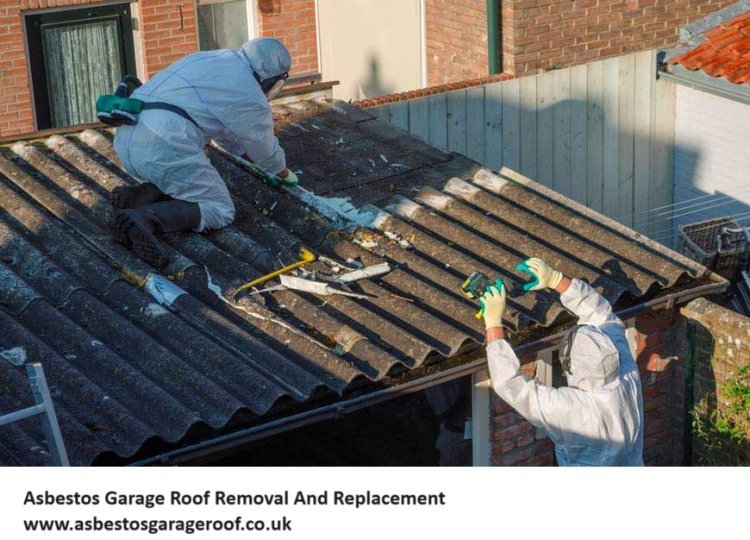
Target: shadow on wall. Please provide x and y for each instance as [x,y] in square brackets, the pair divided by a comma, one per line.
[616,162]
[373,85]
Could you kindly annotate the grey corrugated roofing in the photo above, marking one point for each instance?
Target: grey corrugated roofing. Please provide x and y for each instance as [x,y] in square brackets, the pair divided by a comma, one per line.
[130,376]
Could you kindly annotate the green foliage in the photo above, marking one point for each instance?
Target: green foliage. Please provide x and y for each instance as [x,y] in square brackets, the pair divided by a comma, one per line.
[724,428]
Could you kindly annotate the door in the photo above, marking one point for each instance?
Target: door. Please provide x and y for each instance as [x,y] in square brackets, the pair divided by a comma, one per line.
[76,55]
[372,48]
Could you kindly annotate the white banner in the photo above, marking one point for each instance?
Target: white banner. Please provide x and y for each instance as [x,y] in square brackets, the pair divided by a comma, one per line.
[367,503]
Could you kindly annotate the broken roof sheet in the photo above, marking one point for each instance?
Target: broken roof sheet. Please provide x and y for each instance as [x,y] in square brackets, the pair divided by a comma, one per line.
[137,361]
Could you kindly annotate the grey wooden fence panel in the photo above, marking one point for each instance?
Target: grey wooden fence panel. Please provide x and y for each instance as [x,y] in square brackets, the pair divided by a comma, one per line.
[611,140]
[456,105]
[419,118]
[644,95]
[561,145]
[544,131]
[595,137]
[439,121]
[601,133]
[400,115]
[475,126]
[578,134]
[626,165]
[493,119]
[512,124]
[528,126]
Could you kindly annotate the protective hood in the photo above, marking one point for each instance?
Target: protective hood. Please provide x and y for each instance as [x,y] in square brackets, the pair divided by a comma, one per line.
[594,360]
[267,56]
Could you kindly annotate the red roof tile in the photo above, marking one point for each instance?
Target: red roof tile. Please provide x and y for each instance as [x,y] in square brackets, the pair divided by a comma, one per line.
[725,53]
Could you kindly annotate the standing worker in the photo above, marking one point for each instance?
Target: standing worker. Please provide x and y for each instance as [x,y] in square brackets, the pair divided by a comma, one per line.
[221,95]
[598,418]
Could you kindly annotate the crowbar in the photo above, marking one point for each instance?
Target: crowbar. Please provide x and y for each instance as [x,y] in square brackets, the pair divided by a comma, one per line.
[305,257]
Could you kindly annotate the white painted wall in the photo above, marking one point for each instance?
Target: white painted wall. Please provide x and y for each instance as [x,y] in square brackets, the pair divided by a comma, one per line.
[712,156]
[371,48]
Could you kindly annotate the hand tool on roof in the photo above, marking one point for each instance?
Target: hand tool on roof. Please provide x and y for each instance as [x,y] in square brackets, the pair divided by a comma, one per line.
[305,257]
[476,285]
[316,287]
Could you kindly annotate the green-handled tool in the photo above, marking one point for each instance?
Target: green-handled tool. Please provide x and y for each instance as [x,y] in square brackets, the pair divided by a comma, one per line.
[476,285]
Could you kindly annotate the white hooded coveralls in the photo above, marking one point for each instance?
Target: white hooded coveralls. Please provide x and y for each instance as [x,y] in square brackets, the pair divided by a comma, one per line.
[218,90]
[598,418]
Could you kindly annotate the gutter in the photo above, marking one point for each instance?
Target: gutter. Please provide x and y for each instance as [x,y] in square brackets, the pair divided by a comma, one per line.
[336,410]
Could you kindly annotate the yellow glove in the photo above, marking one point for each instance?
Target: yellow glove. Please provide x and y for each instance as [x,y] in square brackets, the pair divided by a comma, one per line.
[545,277]
[493,304]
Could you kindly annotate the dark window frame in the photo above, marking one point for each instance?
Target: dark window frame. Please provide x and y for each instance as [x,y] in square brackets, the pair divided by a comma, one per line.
[33,24]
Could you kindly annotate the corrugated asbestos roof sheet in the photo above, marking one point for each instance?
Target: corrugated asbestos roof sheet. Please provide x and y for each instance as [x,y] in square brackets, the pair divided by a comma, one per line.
[724,53]
[130,376]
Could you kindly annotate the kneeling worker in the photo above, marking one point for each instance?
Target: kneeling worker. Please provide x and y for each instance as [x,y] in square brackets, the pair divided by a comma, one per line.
[598,418]
[221,95]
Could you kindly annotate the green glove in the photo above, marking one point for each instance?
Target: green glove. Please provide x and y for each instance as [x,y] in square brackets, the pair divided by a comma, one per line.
[545,277]
[290,179]
[493,304]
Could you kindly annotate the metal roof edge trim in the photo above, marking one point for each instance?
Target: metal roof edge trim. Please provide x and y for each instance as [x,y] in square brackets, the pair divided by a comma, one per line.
[699,80]
[338,409]
[509,174]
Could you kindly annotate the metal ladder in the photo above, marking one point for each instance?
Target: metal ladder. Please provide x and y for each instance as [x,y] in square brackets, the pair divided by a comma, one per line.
[46,408]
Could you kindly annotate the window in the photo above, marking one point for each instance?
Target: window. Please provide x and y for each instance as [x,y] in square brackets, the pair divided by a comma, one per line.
[222,24]
[76,55]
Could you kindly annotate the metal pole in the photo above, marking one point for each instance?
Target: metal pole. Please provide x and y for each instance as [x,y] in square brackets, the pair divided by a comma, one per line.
[49,418]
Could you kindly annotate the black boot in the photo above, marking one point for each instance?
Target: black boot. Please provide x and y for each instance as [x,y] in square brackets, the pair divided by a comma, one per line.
[137,196]
[136,227]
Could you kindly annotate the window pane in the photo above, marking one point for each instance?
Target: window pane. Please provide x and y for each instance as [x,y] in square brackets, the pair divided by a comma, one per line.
[82,61]
[222,25]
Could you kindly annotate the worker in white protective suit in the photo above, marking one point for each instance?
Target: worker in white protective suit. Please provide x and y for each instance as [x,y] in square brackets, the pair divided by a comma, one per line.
[597,419]
[221,95]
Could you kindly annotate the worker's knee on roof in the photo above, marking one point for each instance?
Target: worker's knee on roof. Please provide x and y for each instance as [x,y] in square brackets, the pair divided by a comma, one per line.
[216,215]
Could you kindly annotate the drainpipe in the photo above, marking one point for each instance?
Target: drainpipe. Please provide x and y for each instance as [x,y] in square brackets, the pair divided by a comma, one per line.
[493,37]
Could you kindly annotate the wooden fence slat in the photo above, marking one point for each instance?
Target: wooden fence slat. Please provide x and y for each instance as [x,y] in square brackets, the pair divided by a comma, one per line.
[475,127]
[645,78]
[662,146]
[419,121]
[627,131]
[528,126]
[512,124]
[400,115]
[545,130]
[595,137]
[456,107]
[611,140]
[578,134]
[562,146]
[438,121]
[493,119]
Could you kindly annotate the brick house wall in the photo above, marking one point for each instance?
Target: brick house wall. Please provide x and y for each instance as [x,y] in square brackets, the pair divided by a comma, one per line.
[168,32]
[544,34]
[293,22]
[516,442]
[456,40]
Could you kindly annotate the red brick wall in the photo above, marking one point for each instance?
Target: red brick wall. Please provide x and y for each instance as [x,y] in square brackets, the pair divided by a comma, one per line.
[456,40]
[165,38]
[516,442]
[542,34]
[292,22]
[168,32]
